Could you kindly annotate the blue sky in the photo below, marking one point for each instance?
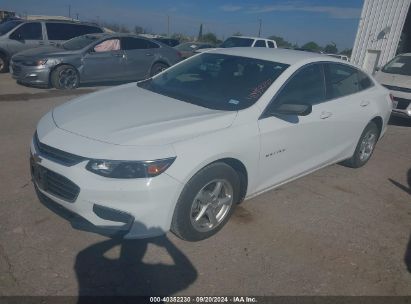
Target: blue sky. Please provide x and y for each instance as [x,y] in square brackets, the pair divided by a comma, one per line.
[298,21]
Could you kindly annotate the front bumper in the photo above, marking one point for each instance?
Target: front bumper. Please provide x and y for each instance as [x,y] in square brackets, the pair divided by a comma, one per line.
[33,75]
[132,208]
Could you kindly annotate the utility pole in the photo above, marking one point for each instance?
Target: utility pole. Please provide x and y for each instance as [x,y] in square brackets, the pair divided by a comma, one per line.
[168,25]
[77,16]
[259,28]
[69,7]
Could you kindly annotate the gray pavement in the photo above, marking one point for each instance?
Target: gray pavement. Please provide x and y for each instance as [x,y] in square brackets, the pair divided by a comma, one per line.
[338,231]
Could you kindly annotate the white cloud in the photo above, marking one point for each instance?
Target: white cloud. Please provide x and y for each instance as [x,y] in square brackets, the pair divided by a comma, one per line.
[231,8]
[332,11]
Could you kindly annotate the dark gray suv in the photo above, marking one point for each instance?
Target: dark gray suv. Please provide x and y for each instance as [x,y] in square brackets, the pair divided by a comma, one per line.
[20,35]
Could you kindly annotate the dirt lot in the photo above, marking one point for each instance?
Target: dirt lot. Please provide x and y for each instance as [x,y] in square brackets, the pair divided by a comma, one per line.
[338,231]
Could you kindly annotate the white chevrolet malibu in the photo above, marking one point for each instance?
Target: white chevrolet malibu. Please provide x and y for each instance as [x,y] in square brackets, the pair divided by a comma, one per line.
[178,151]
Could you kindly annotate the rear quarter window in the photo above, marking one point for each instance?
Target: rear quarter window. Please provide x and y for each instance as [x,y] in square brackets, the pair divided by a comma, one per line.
[67,31]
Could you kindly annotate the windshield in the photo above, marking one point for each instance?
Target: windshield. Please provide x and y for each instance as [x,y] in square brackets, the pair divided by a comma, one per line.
[8,26]
[399,65]
[217,81]
[80,42]
[237,42]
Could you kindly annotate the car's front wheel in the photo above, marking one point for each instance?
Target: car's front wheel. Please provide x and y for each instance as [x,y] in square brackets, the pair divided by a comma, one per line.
[65,77]
[206,202]
[3,63]
[365,146]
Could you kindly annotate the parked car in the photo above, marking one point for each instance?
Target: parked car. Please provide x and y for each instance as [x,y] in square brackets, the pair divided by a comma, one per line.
[168,41]
[342,57]
[93,58]
[188,49]
[396,76]
[243,41]
[20,35]
[181,149]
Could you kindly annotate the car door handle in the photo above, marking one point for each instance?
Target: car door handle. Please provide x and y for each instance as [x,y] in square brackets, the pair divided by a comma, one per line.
[149,54]
[118,55]
[41,43]
[325,115]
[364,103]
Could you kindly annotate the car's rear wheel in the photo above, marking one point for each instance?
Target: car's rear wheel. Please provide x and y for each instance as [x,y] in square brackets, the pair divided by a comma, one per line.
[365,147]
[206,202]
[157,68]
[4,66]
[65,77]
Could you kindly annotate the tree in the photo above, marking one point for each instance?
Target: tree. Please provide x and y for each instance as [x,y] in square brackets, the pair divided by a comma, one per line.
[331,48]
[210,37]
[281,42]
[138,29]
[181,37]
[346,52]
[237,34]
[311,46]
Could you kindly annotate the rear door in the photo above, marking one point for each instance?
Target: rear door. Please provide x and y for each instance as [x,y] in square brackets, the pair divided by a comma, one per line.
[106,61]
[60,32]
[26,36]
[141,54]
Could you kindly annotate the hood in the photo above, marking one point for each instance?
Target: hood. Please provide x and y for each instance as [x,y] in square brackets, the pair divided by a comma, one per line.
[42,52]
[395,80]
[129,115]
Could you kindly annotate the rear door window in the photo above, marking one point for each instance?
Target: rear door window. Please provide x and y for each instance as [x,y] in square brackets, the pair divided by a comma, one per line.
[260,43]
[28,31]
[67,31]
[130,43]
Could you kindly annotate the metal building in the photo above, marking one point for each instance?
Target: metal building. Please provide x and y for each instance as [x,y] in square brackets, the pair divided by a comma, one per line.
[384,30]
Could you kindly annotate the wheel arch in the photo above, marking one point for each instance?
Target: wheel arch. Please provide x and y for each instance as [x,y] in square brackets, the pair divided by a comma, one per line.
[59,65]
[379,122]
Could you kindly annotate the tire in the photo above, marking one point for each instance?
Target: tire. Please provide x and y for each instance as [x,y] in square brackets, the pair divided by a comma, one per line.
[65,77]
[206,202]
[157,68]
[4,63]
[365,147]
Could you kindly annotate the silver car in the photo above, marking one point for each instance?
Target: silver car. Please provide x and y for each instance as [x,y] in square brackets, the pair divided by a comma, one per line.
[19,35]
[93,58]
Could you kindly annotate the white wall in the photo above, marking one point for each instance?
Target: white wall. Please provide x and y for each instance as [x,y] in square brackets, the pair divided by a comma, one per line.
[376,16]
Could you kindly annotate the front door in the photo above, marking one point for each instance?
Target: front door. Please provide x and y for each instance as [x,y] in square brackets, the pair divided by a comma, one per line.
[105,62]
[28,35]
[292,145]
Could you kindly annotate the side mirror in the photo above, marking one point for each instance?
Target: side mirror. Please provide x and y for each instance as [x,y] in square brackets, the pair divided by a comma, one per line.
[293,109]
[377,69]
[17,37]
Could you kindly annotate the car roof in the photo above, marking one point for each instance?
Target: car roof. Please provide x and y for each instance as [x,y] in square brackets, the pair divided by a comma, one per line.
[278,55]
[250,37]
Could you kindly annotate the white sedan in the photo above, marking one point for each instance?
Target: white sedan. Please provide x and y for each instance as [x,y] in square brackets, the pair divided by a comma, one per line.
[179,151]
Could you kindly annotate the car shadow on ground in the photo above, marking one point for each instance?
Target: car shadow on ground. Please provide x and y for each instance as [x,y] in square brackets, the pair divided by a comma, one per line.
[399,121]
[127,275]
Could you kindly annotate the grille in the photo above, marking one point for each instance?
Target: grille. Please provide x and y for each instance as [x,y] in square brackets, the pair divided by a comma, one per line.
[54,183]
[56,155]
[400,89]
[402,103]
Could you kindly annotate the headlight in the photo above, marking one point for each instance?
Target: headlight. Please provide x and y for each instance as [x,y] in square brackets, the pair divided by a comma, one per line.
[35,62]
[129,169]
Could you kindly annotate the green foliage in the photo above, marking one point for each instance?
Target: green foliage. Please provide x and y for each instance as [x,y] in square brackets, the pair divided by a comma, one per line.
[312,46]
[210,38]
[331,48]
[281,42]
